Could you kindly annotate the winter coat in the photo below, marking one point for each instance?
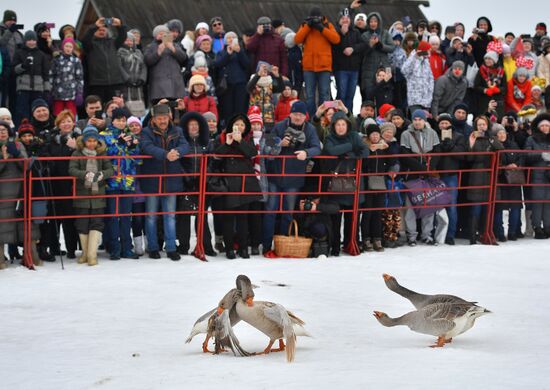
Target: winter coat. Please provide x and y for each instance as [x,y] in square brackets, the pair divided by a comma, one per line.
[157,144]
[428,140]
[454,55]
[382,93]
[10,40]
[282,110]
[242,165]
[420,80]
[261,92]
[377,56]
[269,47]
[541,142]
[165,79]
[317,51]
[124,179]
[509,192]
[10,190]
[36,76]
[197,146]
[438,64]
[456,144]
[353,62]
[517,95]
[66,78]
[77,168]
[543,68]
[59,148]
[480,84]
[311,146]
[479,45]
[448,92]
[132,62]
[233,66]
[482,144]
[295,71]
[102,63]
[202,103]
[462,127]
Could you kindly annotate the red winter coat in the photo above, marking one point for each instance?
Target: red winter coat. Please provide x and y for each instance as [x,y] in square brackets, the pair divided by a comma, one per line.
[269,47]
[512,103]
[282,111]
[200,104]
[438,64]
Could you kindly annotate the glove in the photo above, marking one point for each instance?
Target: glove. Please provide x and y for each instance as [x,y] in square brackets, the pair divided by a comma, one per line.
[546,156]
[27,64]
[378,45]
[319,26]
[13,27]
[78,100]
[89,176]
[12,150]
[496,90]
[98,176]
[489,91]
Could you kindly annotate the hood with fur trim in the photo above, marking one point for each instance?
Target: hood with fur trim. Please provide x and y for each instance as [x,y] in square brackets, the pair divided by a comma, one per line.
[204,134]
[101,148]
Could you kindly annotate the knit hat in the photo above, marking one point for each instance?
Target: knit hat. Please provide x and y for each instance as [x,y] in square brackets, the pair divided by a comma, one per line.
[230,34]
[202,38]
[496,127]
[277,23]
[133,119]
[419,114]
[90,131]
[423,46]
[202,25]
[372,128]
[367,122]
[263,20]
[195,80]
[9,15]
[538,87]
[540,26]
[30,36]
[458,64]
[360,16]
[25,128]
[434,39]
[289,40]
[175,25]
[255,115]
[398,112]
[298,107]
[160,109]
[368,103]
[200,60]
[131,36]
[461,106]
[315,11]
[506,49]
[521,72]
[492,55]
[456,39]
[388,126]
[36,103]
[210,116]
[120,112]
[161,28]
[70,40]
[384,109]
[444,117]
[5,112]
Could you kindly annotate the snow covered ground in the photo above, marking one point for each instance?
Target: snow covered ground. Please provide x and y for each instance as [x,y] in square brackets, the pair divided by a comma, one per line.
[122,325]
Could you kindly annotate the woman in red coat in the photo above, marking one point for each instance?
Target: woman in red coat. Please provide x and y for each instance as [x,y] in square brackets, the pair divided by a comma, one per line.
[198,100]
[518,93]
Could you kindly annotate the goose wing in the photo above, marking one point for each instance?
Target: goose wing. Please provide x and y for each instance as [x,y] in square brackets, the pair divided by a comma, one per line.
[200,326]
[224,336]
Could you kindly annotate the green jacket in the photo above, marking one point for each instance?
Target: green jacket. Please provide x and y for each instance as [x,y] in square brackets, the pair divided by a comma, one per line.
[77,168]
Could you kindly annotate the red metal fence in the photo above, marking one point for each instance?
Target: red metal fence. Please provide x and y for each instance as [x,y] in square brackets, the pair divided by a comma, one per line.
[493,170]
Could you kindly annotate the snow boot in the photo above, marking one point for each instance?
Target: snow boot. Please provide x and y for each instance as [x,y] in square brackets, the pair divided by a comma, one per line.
[34,254]
[83,259]
[377,245]
[94,237]
[138,246]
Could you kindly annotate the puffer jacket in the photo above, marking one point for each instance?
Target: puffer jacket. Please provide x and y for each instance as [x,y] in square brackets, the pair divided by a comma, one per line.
[543,68]
[36,78]
[351,39]
[66,77]
[420,80]
[317,52]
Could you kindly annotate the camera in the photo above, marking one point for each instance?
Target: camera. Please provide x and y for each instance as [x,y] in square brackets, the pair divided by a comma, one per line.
[172,103]
[312,20]
[62,139]
[478,31]
[308,204]
[49,25]
[20,26]
[266,28]
[295,137]
[31,60]
[98,114]
[510,120]
[46,135]
[108,22]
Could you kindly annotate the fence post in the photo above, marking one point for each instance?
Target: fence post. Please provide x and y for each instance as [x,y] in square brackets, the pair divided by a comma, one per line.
[353,247]
[27,214]
[488,237]
[199,247]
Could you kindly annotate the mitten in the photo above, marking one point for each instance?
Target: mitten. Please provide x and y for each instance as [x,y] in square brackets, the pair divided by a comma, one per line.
[12,150]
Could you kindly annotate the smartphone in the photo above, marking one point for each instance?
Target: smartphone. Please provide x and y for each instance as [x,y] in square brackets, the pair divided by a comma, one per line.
[388,70]
[98,114]
[446,134]
[166,38]
[20,26]
[331,104]
[50,25]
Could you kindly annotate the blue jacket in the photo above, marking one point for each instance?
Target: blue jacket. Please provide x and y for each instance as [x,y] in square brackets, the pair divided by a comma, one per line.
[157,144]
[235,66]
[124,179]
[312,146]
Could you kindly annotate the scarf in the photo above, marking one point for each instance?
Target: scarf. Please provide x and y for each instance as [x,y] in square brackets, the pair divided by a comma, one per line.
[257,135]
[491,75]
[91,166]
[264,81]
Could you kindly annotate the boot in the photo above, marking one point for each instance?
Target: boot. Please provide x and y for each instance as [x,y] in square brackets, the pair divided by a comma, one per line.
[43,253]
[528,224]
[34,255]
[83,259]
[219,244]
[94,237]
[377,245]
[367,246]
[138,245]
[3,264]
[539,234]
[473,230]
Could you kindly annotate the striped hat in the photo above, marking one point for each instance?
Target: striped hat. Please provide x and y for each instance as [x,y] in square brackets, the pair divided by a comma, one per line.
[90,132]
[25,128]
[255,115]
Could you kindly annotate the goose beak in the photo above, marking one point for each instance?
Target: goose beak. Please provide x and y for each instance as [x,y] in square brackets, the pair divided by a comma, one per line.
[250,301]
[220,310]
[387,277]
[378,314]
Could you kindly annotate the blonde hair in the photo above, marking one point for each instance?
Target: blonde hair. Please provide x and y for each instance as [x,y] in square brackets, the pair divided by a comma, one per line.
[62,116]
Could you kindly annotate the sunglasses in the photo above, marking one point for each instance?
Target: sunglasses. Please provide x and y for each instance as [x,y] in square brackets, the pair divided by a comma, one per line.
[216,24]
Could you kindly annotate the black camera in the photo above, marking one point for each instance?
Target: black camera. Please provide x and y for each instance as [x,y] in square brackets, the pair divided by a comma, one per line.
[295,137]
[313,20]
[510,119]
[108,22]
[266,28]
[308,204]
[172,103]
[46,135]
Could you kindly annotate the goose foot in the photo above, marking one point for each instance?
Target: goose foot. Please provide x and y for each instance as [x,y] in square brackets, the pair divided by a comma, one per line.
[281,346]
[269,350]
[449,340]
[205,346]
[439,343]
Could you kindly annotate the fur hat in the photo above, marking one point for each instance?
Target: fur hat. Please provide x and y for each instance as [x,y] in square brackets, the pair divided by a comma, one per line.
[388,126]
[263,20]
[202,25]
[160,109]
[195,80]
[5,112]
[289,40]
[202,38]
[372,128]
[161,28]
[229,34]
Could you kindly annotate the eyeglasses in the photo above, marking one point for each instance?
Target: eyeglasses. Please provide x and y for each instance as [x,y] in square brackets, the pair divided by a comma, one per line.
[216,24]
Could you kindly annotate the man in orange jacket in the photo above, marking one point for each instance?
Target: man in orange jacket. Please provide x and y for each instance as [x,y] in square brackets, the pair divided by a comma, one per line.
[317,35]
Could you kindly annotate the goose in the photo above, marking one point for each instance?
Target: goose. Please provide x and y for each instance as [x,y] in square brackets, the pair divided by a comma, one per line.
[443,320]
[270,318]
[418,300]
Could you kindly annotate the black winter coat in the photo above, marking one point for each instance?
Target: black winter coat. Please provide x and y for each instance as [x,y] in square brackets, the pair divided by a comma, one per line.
[103,65]
[457,144]
[482,144]
[509,192]
[352,39]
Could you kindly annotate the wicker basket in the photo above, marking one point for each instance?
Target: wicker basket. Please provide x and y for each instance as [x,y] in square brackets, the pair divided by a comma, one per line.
[292,246]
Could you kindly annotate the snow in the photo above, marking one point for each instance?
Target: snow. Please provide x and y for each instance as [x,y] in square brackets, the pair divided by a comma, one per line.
[122,325]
